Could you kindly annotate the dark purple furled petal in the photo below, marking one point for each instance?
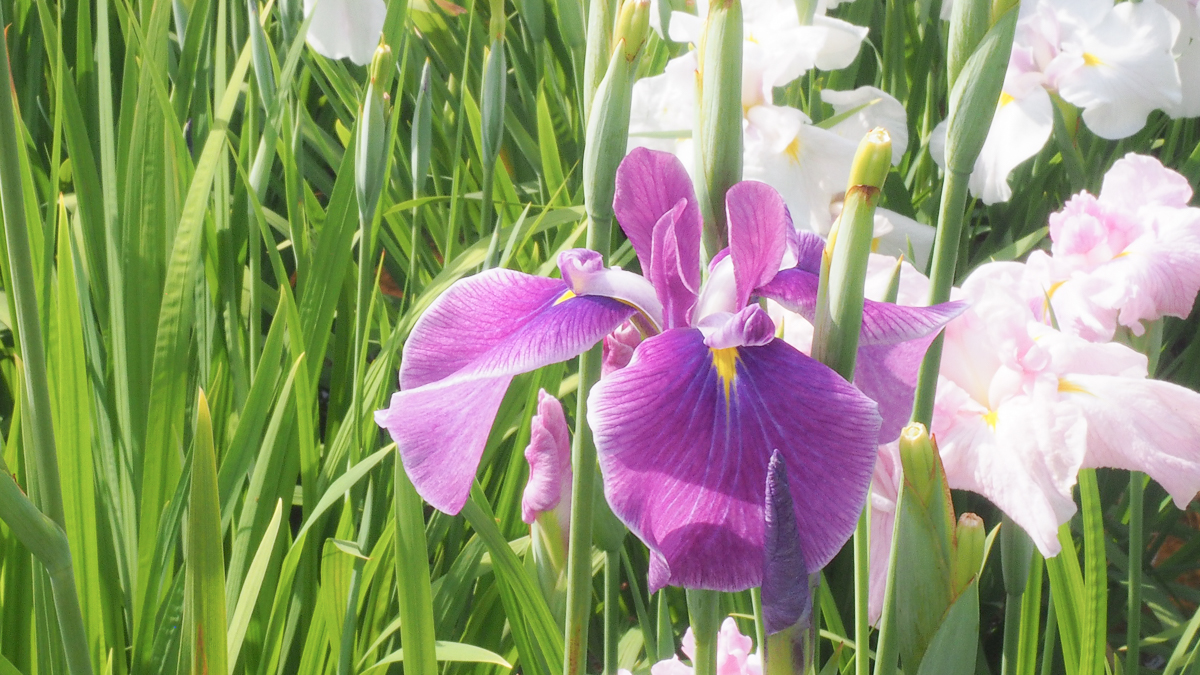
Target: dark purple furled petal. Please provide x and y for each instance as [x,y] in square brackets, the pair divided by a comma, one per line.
[786,599]
[549,457]
[649,184]
[440,430]
[750,327]
[758,226]
[502,322]
[884,323]
[675,290]
[684,434]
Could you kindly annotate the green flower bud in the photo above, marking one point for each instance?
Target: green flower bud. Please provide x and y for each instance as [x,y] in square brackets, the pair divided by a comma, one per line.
[968,551]
[370,156]
[844,263]
[975,94]
[633,27]
[260,51]
[422,133]
[599,50]
[718,129]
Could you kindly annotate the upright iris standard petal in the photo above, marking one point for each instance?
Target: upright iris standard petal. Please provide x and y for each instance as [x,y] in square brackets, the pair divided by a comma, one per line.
[667,269]
[758,224]
[460,358]
[649,184]
[684,434]
[504,322]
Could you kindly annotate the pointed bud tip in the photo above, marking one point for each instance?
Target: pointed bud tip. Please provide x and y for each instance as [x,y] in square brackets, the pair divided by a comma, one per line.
[970,538]
[872,161]
[632,29]
[380,61]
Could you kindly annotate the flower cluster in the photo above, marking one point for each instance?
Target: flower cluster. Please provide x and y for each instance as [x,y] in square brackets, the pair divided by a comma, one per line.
[1111,64]
[806,163]
[1032,390]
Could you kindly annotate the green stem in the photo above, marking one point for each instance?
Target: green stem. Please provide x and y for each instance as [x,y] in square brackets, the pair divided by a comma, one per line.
[1133,619]
[579,554]
[350,619]
[780,657]
[704,611]
[760,634]
[612,614]
[941,280]
[862,578]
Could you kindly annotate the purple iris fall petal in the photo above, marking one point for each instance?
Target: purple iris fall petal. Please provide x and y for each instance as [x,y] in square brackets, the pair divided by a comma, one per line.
[758,225]
[684,434]
[888,374]
[501,322]
[649,184]
[786,598]
[460,358]
[441,430]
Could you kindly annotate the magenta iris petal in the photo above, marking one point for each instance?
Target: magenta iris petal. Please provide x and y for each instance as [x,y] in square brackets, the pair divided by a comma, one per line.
[502,322]
[808,249]
[649,184]
[684,436]
[891,346]
[441,430]
[883,322]
[749,327]
[668,269]
[786,598]
[549,457]
[460,358]
[758,226]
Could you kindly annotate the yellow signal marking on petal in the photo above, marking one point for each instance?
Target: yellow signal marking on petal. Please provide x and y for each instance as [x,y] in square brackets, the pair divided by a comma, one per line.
[725,361]
[565,297]
[1066,387]
[991,417]
[1005,99]
[1091,59]
[793,150]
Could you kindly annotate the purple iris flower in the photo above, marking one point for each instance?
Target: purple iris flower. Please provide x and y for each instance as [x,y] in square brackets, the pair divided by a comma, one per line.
[684,431]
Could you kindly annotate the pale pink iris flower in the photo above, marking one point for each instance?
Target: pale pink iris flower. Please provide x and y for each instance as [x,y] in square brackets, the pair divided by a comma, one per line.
[1130,255]
[734,654]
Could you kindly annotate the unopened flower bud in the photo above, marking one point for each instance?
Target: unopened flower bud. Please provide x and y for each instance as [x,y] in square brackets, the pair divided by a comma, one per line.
[633,27]
[968,551]
[920,460]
